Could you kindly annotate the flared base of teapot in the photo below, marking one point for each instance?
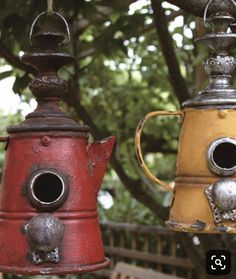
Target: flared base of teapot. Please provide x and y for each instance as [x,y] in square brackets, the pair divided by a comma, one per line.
[80,251]
[192,211]
[201,227]
[55,270]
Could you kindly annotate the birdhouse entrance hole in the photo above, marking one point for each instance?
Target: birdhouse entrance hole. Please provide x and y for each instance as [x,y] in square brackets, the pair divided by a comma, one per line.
[224,155]
[47,187]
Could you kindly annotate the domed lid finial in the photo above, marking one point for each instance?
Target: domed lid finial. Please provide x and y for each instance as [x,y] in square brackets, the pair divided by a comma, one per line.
[48,31]
[220,65]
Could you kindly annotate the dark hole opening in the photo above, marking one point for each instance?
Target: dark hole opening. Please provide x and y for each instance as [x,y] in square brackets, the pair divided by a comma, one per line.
[224,155]
[47,187]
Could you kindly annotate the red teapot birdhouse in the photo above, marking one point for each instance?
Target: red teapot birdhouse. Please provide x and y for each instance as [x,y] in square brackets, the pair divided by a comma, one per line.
[48,200]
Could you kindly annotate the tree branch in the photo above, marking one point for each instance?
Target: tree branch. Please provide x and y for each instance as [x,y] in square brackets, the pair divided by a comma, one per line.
[196,7]
[83,24]
[103,12]
[134,186]
[14,60]
[170,17]
[154,145]
[178,83]
[86,53]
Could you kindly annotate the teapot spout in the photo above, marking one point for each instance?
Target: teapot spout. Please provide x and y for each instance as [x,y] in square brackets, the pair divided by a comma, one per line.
[99,154]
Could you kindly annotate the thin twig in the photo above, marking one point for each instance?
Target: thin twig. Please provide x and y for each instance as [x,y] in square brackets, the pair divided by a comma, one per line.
[177,81]
[196,7]
[14,60]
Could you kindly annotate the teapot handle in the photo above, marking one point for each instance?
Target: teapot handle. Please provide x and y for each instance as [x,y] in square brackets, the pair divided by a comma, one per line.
[4,139]
[138,150]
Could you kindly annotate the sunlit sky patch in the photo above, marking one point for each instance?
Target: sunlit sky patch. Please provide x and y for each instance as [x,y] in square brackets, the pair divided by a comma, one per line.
[10,102]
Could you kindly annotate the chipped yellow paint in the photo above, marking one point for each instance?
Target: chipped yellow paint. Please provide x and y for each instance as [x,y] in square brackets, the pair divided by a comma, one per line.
[138,146]
[190,208]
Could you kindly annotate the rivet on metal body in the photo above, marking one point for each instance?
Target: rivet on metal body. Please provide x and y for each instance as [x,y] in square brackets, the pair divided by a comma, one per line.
[223,113]
[45,140]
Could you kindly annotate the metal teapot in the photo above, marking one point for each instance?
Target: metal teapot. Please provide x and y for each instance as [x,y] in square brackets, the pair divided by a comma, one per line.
[204,195]
[48,200]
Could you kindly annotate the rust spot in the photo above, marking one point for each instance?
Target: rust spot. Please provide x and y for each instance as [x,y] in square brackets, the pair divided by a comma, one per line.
[221,228]
[22,229]
[175,225]
[24,190]
[199,225]
[90,166]
[45,140]
[139,156]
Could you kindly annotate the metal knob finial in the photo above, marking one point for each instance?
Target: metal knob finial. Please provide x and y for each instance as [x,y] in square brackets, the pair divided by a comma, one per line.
[206,21]
[220,65]
[50,33]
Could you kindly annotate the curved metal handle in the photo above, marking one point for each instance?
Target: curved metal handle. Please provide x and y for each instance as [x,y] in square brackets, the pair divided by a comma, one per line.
[51,13]
[138,150]
[4,139]
[206,9]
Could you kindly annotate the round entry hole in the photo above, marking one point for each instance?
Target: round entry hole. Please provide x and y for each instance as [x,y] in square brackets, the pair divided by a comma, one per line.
[224,155]
[47,187]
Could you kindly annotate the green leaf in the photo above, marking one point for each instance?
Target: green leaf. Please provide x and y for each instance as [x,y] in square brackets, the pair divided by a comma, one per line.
[6,74]
[21,83]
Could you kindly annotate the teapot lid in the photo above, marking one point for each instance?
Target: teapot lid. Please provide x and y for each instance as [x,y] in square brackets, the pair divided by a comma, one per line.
[220,64]
[48,32]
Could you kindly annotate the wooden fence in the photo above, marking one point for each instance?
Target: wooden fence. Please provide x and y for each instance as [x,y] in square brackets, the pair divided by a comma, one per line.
[146,246]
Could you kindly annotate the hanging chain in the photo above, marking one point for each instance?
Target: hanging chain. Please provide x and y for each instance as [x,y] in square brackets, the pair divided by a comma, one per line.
[50,6]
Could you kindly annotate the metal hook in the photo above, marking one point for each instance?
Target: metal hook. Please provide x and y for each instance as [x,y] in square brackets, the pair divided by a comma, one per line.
[51,13]
[206,9]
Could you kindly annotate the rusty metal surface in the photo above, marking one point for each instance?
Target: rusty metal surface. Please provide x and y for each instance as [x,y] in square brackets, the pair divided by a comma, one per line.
[69,155]
[42,127]
[47,87]
[52,269]
[199,227]
[49,31]
[50,167]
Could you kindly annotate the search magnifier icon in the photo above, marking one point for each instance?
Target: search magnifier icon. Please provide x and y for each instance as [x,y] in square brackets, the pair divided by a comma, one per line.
[218,262]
